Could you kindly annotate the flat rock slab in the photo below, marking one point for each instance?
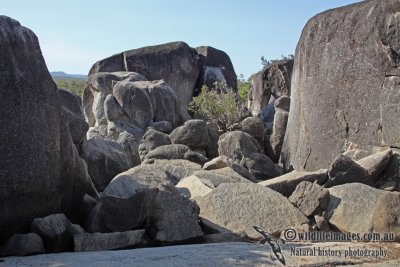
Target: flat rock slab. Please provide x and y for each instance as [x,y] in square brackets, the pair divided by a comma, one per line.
[221,254]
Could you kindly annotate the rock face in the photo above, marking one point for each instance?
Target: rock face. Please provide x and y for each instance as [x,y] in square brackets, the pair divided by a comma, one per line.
[40,170]
[237,207]
[73,112]
[331,69]
[274,79]
[215,66]
[176,63]
[105,159]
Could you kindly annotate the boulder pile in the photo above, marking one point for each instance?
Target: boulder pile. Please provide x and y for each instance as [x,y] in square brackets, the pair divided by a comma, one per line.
[128,168]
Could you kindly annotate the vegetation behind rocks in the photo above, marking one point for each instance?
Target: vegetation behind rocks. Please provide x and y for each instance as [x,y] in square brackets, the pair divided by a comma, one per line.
[219,105]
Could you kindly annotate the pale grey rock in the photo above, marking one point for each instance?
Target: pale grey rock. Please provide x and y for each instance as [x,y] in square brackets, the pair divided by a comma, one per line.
[310,198]
[238,206]
[351,207]
[287,183]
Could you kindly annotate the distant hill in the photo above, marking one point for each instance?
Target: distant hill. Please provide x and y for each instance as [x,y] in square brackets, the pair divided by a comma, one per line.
[61,74]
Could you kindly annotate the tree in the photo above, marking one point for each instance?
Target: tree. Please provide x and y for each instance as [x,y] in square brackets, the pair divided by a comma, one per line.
[243,87]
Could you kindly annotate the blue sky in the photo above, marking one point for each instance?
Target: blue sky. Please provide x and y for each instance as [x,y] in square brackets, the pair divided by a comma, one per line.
[75,34]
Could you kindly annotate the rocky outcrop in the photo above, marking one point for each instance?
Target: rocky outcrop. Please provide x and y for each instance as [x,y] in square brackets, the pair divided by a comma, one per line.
[40,169]
[99,86]
[346,59]
[215,66]
[237,207]
[175,63]
[274,79]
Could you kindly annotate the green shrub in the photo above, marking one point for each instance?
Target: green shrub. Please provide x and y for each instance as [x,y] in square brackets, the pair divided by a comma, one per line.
[219,105]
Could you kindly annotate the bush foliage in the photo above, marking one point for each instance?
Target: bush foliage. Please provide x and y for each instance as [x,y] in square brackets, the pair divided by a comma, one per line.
[219,105]
[75,85]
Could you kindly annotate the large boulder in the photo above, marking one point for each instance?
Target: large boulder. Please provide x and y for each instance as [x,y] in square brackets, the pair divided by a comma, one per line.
[274,79]
[386,214]
[216,66]
[151,140]
[237,207]
[255,127]
[174,219]
[193,133]
[72,110]
[237,144]
[22,245]
[105,159]
[345,170]
[99,86]
[175,62]
[40,169]
[127,201]
[310,198]
[346,60]
[273,142]
[245,150]
[350,210]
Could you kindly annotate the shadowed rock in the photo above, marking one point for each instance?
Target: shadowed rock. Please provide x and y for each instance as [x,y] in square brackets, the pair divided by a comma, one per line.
[347,60]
